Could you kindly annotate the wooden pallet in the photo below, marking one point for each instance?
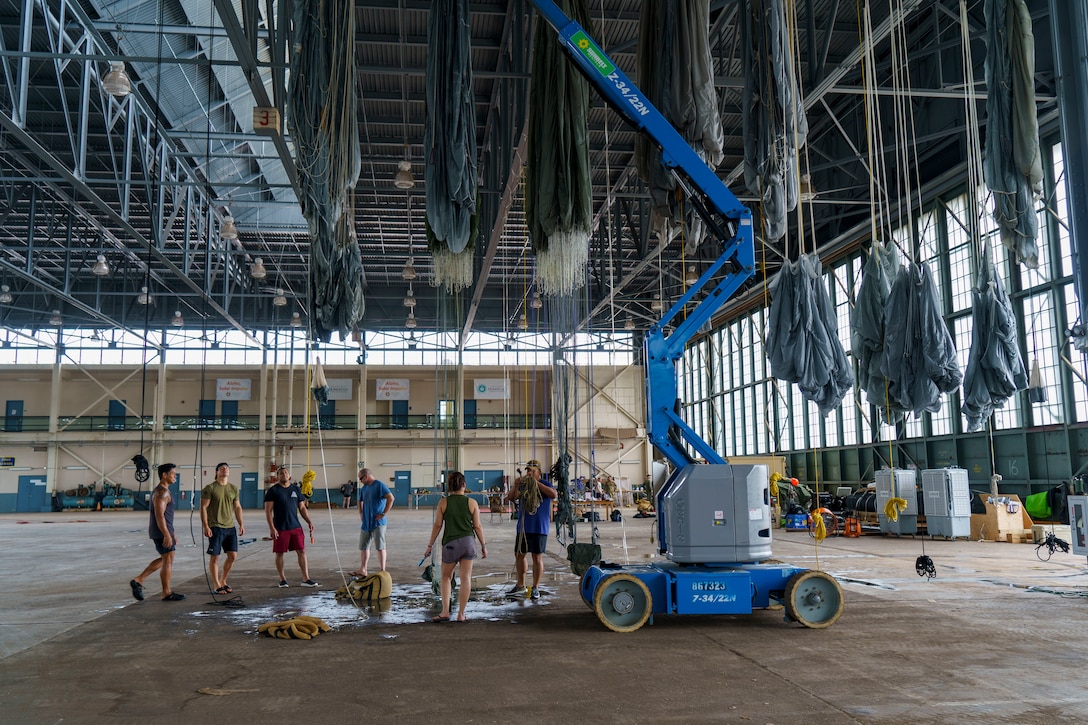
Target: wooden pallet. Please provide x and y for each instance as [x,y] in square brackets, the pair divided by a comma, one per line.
[1023,536]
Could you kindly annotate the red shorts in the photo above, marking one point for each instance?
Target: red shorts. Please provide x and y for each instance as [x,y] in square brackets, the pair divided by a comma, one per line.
[291,540]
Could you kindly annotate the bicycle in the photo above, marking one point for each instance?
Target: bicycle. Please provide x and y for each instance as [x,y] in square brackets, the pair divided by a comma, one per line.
[1049,545]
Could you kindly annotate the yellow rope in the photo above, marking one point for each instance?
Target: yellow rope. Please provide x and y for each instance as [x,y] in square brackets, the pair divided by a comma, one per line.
[894,507]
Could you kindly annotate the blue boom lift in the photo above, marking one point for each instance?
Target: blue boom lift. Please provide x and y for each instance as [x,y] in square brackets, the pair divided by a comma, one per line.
[714,519]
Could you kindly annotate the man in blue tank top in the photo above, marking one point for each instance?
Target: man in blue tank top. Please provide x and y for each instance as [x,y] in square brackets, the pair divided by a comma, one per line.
[534,498]
[161,531]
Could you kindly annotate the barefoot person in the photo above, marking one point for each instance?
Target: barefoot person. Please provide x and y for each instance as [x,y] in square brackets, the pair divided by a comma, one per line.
[459,515]
[219,509]
[161,531]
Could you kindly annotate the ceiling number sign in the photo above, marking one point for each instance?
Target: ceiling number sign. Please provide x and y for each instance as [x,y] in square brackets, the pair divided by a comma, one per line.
[266,120]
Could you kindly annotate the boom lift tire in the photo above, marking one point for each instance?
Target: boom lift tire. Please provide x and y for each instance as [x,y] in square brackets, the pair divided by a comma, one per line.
[813,599]
[622,602]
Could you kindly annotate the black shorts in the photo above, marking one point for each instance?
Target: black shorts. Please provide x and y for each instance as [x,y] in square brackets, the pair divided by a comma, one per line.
[222,540]
[162,549]
[530,543]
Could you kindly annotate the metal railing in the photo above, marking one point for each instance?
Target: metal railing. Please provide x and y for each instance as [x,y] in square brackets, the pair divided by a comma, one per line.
[40,423]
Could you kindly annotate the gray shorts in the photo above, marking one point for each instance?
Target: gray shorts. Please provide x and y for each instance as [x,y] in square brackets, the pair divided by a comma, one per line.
[458,549]
[377,535]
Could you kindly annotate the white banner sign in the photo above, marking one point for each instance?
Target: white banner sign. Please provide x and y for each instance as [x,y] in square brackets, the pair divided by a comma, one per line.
[339,388]
[391,389]
[232,388]
[492,389]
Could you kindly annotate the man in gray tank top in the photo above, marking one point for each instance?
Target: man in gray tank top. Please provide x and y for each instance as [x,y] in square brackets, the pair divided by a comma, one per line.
[161,531]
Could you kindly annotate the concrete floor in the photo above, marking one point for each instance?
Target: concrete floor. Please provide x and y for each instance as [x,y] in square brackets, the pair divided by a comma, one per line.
[997,637]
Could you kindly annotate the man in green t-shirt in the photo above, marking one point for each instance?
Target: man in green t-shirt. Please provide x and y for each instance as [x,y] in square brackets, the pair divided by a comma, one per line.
[219,508]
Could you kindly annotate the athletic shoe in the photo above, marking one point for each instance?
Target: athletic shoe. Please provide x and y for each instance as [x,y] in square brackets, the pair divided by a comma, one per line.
[542,591]
[534,593]
[310,583]
[283,584]
[515,591]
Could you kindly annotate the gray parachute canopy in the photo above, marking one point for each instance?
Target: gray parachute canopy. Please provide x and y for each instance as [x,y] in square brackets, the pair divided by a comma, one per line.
[774,123]
[1012,165]
[919,357]
[676,72]
[803,335]
[867,320]
[995,368]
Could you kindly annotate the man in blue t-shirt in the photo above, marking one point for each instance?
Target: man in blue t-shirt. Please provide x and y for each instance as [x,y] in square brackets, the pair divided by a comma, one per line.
[534,498]
[375,500]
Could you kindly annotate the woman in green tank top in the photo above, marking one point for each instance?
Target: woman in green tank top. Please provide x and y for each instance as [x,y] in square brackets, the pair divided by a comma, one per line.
[459,515]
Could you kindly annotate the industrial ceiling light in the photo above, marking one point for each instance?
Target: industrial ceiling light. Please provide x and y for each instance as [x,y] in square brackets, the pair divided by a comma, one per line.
[227,230]
[116,82]
[629,325]
[55,319]
[404,178]
[279,300]
[296,321]
[523,322]
[536,303]
[692,276]
[412,340]
[5,295]
[409,272]
[807,190]
[411,323]
[410,298]
[178,320]
[656,305]
[256,270]
[101,267]
[144,298]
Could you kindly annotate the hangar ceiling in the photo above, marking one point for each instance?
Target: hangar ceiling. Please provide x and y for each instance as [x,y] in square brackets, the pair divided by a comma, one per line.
[147,180]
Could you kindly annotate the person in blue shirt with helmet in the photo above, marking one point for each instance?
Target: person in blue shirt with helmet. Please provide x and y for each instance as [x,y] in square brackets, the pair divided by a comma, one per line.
[534,498]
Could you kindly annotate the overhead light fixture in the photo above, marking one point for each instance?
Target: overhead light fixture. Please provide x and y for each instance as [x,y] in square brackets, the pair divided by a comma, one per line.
[116,82]
[279,300]
[5,295]
[807,191]
[656,305]
[629,325]
[411,323]
[411,340]
[101,267]
[256,270]
[55,319]
[144,298]
[692,276]
[227,230]
[409,272]
[536,303]
[296,321]
[178,320]
[410,298]
[404,178]
[523,322]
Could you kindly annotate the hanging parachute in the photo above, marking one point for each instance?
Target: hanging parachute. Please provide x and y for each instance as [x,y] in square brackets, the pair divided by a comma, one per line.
[558,186]
[867,320]
[676,73]
[1013,169]
[803,344]
[995,368]
[449,145]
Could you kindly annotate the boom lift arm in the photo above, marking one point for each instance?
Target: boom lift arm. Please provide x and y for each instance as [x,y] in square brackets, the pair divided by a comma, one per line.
[726,217]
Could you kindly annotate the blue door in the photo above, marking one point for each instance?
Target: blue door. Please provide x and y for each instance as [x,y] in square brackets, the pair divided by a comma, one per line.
[229,414]
[117,415]
[206,414]
[248,494]
[13,416]
[400,414]
[476,481]
[32,497]
[470,414]
[401,486]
